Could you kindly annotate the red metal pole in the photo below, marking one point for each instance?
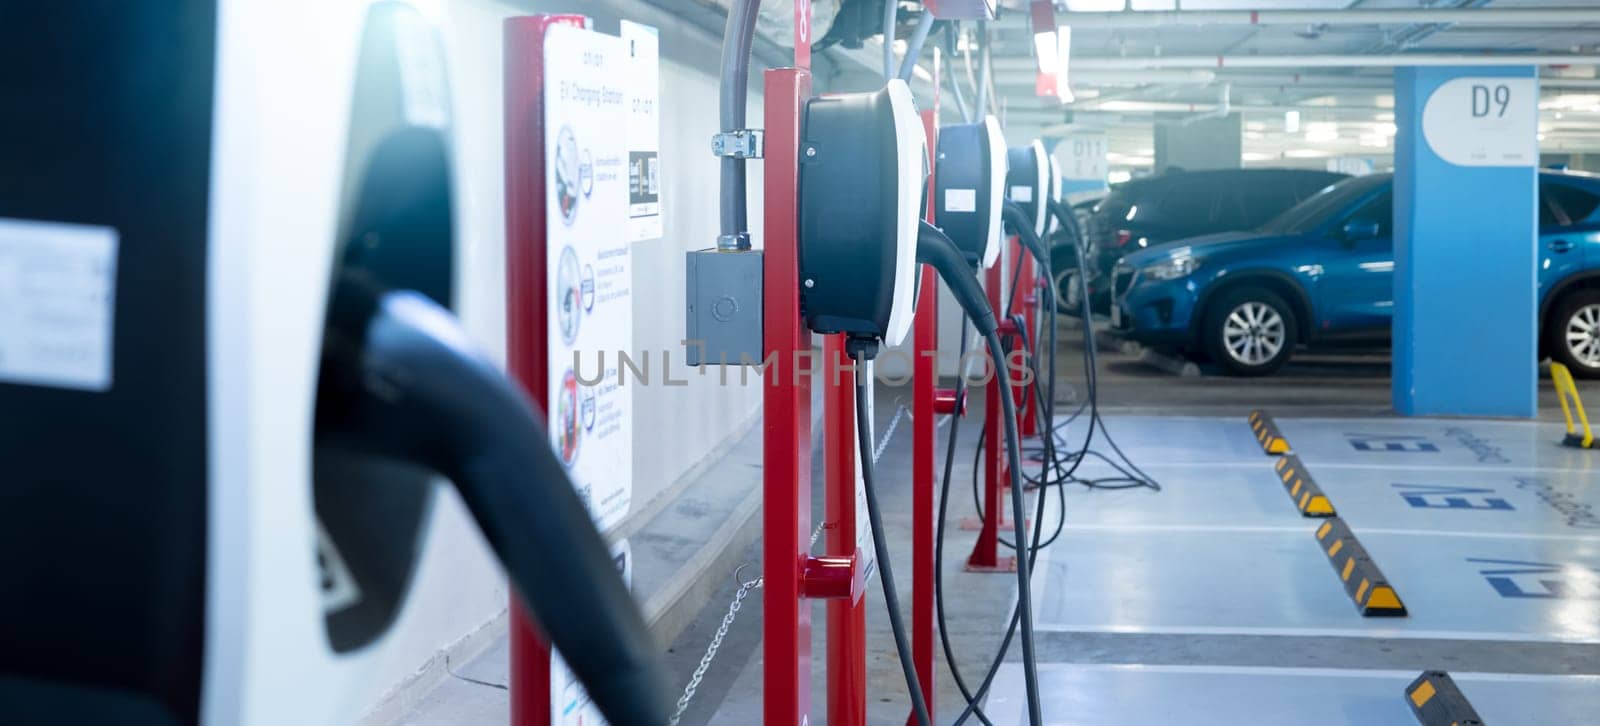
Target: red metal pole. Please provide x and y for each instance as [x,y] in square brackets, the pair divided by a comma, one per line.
[924,379]
[847,618]
[527,358]
[1024,297]
[985,555]
[786,400]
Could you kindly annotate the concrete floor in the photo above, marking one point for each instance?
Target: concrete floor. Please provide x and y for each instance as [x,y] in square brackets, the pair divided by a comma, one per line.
[1324,384]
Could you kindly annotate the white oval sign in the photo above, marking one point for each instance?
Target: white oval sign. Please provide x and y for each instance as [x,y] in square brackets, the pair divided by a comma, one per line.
[1484,122]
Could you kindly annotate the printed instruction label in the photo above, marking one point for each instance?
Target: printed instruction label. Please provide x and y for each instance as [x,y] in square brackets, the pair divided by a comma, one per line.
[57,295]
[960,200]
[643,131]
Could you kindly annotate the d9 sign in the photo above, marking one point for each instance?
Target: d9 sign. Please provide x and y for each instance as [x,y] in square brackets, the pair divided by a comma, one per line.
[1484,122]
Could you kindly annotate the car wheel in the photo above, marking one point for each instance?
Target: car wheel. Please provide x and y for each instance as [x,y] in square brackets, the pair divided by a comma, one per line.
[1068,295]
[1064,266]
[1249,331]
[1573,335]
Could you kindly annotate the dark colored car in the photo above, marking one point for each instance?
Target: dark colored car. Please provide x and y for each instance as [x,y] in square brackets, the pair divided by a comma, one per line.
[1149,212]
[1324,271]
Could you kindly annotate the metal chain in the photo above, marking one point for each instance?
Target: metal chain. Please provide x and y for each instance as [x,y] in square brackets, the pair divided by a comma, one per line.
[745,588]
[711,650]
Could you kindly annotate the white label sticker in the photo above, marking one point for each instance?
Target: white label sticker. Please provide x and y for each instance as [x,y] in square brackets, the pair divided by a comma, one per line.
[1484,121]
[422,82]
[643,131]
[960,200]
[1022,193]
[57,292]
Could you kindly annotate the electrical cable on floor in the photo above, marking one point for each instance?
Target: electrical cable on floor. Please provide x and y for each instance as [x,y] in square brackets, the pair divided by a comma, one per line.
[935,249]
[1055,470]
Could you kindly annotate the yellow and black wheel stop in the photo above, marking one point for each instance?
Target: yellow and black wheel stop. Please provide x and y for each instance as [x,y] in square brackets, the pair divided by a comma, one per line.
[1363,581]
[1302,489]
[1267,434]
[1436,701]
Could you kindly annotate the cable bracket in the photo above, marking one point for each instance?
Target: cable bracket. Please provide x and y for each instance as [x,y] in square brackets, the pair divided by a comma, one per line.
[738,144]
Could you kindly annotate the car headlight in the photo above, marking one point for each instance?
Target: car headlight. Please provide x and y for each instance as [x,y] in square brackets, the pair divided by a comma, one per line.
[1171,269]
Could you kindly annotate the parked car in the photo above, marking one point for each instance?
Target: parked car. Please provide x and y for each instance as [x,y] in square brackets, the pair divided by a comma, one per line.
[1153,211]
[1324,270]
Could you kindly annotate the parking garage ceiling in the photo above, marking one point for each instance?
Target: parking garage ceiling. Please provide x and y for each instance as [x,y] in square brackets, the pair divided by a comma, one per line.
[1135,63]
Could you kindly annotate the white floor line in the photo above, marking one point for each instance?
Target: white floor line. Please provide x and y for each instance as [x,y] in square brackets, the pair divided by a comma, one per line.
[1374,633]
[1311,527]
[1313,672]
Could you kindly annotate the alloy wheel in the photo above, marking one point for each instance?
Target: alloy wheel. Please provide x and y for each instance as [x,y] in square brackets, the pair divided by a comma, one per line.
[1583,335]
[1254,333]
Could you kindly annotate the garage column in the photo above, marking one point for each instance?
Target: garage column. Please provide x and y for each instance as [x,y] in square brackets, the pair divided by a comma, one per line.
[1465,223]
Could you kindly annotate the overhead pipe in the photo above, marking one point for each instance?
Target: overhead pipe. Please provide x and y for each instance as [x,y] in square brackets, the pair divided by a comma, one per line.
[1503,17]
[1195,77]
[1224,107]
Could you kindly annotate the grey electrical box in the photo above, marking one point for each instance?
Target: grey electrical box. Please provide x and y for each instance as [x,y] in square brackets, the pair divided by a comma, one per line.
[724,315]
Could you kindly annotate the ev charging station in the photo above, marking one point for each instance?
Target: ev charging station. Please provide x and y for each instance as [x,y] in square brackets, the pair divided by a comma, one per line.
[302,276]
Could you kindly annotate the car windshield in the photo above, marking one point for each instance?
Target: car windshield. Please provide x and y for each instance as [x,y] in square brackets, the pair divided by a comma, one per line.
[1309,214]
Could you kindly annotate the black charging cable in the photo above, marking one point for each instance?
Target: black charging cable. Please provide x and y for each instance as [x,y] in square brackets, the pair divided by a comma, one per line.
[402,381]
[936,250]
[859,350]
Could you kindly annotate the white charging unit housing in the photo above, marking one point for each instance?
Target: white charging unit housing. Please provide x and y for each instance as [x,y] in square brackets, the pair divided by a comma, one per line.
[1028,182]
[863,184]
[969,187]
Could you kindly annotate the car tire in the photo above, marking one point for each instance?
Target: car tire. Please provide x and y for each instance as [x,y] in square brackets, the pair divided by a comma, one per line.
[1064,272]
[1249,331]
[1577,313]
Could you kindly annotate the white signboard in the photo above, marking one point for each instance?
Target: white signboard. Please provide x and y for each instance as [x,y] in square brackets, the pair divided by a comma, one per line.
[644,132]
[57,293]
[588,81]
[569,702]
[1484,121]
[588,276]
[1083,156]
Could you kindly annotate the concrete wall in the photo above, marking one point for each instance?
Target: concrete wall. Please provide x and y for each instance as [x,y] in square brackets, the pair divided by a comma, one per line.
[459,589]
[1213,143]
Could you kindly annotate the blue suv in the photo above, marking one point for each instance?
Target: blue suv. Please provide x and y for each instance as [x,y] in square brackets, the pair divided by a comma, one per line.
[1324,270]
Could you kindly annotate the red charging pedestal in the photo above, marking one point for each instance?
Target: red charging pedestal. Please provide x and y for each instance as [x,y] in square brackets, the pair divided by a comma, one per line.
[924,412]
[847,618]
[786,558]
[1023,300]
[527,357]
[985,555]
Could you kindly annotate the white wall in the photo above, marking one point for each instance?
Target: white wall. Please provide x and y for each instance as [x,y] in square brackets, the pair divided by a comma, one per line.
[459,588]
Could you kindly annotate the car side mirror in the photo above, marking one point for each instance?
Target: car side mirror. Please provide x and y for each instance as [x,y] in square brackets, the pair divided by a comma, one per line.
[1356,230]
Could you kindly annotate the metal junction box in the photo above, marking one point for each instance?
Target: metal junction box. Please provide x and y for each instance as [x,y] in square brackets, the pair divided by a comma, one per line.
[724,307]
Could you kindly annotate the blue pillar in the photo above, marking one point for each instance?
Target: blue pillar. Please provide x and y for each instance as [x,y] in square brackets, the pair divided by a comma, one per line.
[1465,238]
